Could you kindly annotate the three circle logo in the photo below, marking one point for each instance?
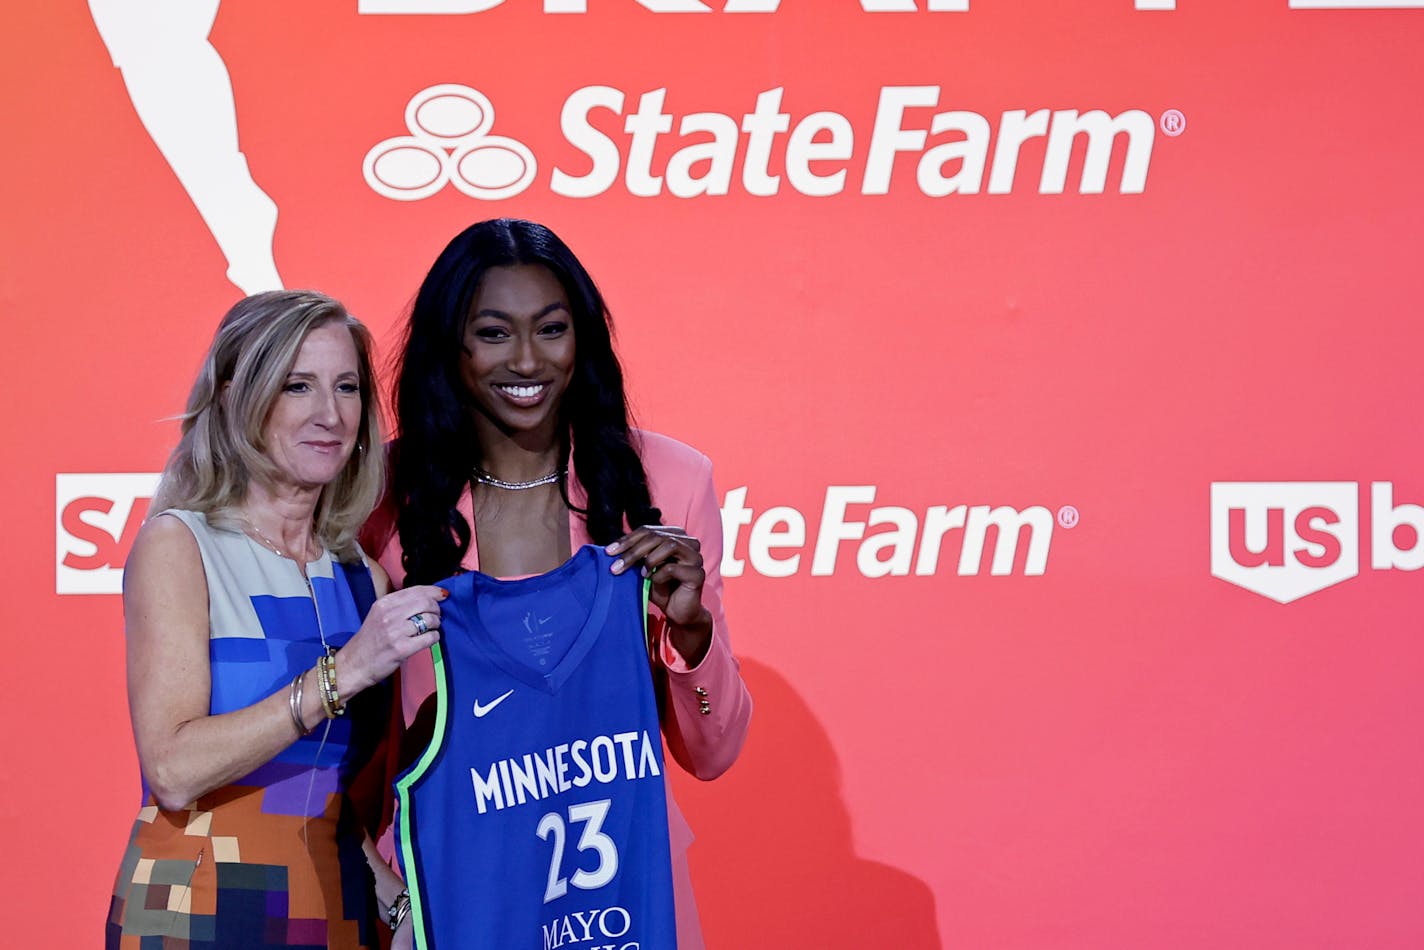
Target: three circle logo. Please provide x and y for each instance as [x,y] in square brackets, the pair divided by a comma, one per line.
[449,144]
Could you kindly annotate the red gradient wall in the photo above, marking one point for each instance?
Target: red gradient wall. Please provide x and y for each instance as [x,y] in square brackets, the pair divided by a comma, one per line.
[1178,707]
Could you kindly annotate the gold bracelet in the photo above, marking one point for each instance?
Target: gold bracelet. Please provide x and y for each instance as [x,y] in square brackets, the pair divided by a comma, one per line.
[336,702]
[322,688]
[330,697]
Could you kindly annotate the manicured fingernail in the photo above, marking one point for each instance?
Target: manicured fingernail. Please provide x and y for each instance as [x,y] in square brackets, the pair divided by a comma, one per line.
[618,566]
[612,548]
[645,571]
[443,592]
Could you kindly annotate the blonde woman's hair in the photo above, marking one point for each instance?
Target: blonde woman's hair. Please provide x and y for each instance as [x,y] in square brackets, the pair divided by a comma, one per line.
[221,451]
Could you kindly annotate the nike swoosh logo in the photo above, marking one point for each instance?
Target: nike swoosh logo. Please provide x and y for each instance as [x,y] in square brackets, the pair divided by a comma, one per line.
[482,711]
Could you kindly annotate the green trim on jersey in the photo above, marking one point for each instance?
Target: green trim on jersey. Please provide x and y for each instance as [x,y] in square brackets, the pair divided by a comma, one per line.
[647,592]
[403,787]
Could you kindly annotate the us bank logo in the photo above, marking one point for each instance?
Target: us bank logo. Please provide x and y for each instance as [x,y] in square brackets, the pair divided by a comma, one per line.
[1286,540]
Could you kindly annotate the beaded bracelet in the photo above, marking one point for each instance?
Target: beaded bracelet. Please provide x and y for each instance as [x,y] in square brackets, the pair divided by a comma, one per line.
[336,702]
[326,675]
[399,909]
[324,687]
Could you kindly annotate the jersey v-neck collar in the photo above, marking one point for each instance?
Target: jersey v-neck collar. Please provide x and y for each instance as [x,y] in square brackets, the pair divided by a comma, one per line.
[586,558]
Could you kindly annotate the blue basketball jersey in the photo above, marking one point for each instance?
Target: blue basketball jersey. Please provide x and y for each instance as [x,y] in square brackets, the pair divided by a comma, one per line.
[537,816]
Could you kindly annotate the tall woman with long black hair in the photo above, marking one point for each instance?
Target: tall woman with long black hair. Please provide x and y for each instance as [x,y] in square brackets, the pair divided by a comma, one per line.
[515,449]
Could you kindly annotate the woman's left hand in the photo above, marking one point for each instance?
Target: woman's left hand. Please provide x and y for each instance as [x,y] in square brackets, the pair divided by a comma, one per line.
[672,559]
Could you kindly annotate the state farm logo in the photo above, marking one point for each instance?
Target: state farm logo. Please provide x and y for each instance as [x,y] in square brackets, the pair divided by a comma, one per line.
[96,517]
[888,540]
[449,143]
[1284,540]
[914,141]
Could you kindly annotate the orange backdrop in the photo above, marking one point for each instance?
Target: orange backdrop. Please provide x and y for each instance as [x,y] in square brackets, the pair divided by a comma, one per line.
[1058,361]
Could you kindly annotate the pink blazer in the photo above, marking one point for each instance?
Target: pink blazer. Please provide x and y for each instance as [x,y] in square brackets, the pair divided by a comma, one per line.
[705,744]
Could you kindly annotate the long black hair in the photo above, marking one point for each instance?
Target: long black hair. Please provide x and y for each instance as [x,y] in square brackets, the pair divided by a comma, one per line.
[437,445]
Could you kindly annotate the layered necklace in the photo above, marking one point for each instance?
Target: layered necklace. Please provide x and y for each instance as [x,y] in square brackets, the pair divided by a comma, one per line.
[494,481]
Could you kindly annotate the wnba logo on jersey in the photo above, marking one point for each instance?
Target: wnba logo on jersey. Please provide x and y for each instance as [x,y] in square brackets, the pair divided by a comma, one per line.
[96,519]
[1285,540]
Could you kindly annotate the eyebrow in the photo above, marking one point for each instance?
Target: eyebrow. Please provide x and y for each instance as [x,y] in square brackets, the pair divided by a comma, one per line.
[501,315]
[297,374]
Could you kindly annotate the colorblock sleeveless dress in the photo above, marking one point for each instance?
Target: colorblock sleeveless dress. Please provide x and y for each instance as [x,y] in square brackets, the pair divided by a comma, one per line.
[274,859]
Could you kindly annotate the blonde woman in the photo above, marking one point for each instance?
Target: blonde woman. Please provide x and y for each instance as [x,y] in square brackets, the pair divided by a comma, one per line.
[258,650]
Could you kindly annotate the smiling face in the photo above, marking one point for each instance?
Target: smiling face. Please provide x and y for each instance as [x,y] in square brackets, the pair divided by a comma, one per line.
[315,419]
[519,350]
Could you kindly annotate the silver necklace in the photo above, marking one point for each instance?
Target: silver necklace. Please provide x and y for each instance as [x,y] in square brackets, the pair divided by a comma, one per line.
[485,478]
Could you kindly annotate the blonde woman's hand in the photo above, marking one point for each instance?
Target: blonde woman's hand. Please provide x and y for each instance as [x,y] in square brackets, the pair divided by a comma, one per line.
[399,625]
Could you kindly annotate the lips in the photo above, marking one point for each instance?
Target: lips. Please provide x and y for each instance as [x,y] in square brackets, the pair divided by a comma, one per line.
[523,395]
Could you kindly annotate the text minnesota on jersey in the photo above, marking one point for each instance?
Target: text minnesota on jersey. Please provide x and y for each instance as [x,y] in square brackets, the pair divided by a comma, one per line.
[535,776]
